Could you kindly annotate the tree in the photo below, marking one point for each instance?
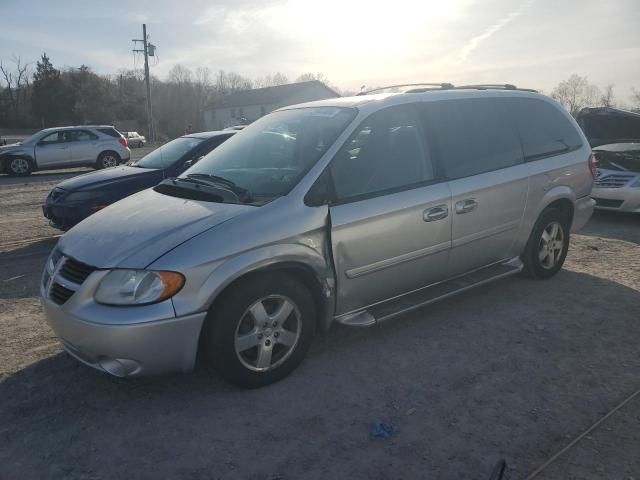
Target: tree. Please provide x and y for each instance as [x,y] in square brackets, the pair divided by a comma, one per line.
[271,80]
[635,99]
[575,93]
[307,77]
[48,93]
[16,90]
[607,99]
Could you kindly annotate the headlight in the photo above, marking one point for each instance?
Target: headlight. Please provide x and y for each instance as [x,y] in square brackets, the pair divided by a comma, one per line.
[81,196]
[138,287]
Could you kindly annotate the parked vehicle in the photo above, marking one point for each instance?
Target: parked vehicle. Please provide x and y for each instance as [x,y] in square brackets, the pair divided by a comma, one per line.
[615,136]
[76,198]
[135,140]
[350,210]
[97,146]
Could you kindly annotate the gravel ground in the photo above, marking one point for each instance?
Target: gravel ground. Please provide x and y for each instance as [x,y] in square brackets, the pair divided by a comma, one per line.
[515,370]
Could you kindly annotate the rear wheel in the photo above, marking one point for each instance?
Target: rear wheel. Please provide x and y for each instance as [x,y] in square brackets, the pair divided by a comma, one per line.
[259,330]
[548,245]
[18,167]
[107,160]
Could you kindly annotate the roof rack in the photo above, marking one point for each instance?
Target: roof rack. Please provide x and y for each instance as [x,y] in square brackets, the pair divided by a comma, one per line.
[427,87]
[494,86]
[424,87]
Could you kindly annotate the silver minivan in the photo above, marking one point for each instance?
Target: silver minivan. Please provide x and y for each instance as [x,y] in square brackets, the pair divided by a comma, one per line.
[349,210]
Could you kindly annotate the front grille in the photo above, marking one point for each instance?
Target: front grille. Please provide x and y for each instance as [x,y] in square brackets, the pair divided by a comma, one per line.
[56,193]
[75,271]
[63,276]
[59,294]
[612,181]
[606,202]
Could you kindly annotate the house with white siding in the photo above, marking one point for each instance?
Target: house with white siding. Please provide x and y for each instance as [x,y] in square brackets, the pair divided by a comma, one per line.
[246,106]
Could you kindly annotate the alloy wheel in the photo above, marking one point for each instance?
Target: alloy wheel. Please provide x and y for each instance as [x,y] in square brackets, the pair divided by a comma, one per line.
[551,245]
[109,161]
[19,166]
[268,333]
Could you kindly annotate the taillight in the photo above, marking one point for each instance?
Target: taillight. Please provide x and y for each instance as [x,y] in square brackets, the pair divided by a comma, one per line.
[593,165]
[123,141]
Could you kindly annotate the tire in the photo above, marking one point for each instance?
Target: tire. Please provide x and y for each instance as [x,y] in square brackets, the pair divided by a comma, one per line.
[244,334]
[18,167]
[541,258]
[107,159]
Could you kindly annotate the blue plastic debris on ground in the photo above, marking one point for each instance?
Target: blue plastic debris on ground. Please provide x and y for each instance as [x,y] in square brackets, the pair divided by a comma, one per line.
[381,430]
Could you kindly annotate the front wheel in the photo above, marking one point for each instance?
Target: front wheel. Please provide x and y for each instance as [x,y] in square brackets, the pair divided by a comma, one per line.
[18,167]
[548,245]
[259,330]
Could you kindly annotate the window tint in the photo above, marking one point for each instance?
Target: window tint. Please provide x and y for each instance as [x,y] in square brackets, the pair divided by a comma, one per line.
[56,137]
[543,129]
[112,132]
[473,136]
[80,136]
[387,151]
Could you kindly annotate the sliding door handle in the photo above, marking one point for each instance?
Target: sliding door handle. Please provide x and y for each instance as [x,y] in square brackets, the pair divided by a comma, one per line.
[466,206]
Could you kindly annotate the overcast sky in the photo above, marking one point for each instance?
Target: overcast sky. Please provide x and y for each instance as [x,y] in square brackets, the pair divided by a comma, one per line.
[532,43]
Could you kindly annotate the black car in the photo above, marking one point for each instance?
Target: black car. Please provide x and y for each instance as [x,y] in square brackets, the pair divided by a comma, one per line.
[75,199]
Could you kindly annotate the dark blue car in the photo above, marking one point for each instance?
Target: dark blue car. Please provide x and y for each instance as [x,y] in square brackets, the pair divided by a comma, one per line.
[73,200]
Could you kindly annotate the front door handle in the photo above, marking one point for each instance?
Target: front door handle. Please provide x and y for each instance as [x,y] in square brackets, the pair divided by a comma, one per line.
[466,206]
[435,213]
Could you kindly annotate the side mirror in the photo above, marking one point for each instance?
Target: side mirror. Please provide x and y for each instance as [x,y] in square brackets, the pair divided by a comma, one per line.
[191,163]
[320,193]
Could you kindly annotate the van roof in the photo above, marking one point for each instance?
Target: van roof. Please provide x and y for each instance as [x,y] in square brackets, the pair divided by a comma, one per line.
[431,94]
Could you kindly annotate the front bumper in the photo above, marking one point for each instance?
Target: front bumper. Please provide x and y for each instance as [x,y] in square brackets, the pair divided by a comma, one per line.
[128,349]
[624,199]
[583,209]
[64,217]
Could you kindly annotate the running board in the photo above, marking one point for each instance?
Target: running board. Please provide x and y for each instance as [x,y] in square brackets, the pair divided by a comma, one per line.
[419,298]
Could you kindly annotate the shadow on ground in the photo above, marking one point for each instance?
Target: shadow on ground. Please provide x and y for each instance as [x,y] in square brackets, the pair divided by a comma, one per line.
[514,370]
[21,269]
[615,225]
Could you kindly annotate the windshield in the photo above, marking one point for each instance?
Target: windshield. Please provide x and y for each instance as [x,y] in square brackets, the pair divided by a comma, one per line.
[169,153]
[272,154]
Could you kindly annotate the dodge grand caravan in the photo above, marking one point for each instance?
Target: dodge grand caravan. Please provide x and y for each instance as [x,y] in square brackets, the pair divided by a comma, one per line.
[350,210]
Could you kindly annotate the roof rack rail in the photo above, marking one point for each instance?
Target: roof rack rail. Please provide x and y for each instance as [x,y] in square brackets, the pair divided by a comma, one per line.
[496,86]
[420,87]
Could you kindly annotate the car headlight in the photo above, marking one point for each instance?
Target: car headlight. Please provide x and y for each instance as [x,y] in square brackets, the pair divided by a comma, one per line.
[82,196]
[138,287]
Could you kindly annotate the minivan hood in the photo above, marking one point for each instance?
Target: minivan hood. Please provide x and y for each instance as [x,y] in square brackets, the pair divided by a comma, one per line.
[102,177]
[134,232]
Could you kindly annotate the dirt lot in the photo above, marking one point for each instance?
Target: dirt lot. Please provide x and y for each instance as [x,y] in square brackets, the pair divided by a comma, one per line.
[515,370]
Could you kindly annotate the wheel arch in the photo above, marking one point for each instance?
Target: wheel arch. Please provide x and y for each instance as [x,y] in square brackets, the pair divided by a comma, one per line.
[302,262]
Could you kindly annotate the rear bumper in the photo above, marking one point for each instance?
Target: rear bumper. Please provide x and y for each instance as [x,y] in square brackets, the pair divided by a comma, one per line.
[583,209]
[128,350]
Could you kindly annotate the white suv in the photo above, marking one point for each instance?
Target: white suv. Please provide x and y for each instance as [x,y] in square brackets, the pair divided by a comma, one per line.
[97,146]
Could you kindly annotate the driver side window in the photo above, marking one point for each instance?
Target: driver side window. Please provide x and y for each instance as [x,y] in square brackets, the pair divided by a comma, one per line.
[386,153]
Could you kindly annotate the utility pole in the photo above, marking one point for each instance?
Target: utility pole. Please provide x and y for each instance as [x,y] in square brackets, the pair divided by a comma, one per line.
[145,50]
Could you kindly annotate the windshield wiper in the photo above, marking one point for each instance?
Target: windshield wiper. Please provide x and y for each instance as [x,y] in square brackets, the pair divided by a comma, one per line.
[243,194]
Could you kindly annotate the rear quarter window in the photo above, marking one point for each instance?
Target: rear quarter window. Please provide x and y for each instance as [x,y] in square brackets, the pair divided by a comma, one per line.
[543,129]
[473,136]
[112,132]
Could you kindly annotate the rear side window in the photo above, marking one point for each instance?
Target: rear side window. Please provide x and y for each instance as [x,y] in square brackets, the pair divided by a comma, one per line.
[473,136]
[543,129]
[112,132]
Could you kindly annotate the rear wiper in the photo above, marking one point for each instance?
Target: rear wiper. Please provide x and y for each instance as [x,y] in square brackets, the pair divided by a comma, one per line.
[243,194]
